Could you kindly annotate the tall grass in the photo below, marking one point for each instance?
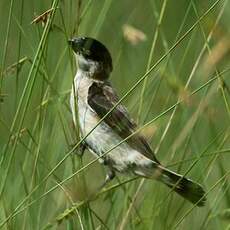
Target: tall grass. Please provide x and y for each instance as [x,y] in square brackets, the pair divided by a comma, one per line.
[170,69]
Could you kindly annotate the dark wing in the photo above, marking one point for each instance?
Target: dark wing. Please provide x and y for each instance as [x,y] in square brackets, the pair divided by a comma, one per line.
[101,98]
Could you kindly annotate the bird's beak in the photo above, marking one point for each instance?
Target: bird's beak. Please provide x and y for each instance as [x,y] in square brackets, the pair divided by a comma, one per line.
[71,42]
[76,44]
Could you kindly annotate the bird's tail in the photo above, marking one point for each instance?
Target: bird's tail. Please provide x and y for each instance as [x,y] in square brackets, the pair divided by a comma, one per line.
[186,188]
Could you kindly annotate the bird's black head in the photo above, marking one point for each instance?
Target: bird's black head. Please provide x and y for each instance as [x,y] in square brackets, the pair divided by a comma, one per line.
[93,55]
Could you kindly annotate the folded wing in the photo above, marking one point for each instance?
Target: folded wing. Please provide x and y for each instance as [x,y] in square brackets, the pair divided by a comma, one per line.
[102,98]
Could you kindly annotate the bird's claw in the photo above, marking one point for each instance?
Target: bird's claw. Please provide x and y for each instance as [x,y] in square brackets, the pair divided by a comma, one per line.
[80,150]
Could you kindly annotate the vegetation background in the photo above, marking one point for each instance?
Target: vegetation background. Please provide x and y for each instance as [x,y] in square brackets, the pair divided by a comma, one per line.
[183,46]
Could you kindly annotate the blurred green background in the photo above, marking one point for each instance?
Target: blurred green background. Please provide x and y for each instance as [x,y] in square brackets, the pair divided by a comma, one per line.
[37,132]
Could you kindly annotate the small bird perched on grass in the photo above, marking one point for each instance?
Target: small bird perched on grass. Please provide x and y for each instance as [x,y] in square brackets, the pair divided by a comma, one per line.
[94,97]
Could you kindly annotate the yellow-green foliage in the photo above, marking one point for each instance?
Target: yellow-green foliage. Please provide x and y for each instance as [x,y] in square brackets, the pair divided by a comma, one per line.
[171,65]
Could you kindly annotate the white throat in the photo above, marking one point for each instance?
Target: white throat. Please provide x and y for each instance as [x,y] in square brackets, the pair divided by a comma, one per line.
[87,67]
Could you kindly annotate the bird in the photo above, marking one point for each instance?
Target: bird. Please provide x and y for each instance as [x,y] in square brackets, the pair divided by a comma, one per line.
[92,97]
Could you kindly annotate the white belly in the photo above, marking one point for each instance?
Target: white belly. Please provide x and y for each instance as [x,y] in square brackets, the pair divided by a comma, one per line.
[102,139]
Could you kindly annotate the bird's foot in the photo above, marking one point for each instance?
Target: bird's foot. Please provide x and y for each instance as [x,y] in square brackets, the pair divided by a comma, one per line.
[80,150]
[109,176]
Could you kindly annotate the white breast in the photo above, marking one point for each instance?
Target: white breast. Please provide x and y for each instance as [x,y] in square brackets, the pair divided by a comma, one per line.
[86,116]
